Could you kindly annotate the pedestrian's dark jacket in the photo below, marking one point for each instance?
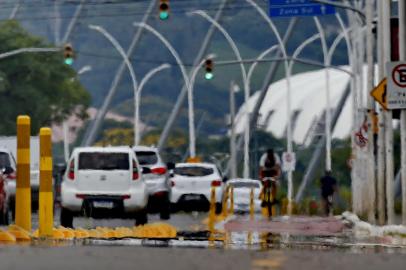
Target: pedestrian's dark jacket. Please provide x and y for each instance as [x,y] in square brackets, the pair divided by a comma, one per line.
[328,185]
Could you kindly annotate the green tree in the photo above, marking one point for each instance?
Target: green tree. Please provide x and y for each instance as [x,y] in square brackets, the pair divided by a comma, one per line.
[37,84]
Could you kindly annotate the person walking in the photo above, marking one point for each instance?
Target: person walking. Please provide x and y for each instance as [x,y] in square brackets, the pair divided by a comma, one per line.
[328,186]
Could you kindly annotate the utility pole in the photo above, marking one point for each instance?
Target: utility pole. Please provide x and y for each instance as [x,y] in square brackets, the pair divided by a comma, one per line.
[402,57]
[233,152]
[371,110]
[386,12]
[381,132]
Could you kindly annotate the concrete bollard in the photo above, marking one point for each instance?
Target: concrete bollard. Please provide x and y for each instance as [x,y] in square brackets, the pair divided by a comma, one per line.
[23,186]
[46,197]
[252,205]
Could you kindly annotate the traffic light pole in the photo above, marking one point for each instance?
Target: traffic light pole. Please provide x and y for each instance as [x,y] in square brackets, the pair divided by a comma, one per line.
[181,98]
[28,50]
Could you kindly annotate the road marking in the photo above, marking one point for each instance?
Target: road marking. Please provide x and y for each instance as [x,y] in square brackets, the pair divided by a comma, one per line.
[269,263]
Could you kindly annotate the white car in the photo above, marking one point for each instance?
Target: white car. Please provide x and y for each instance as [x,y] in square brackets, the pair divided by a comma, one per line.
[157,179]
[192,183]
[8,146]
[242,193]
[103,182]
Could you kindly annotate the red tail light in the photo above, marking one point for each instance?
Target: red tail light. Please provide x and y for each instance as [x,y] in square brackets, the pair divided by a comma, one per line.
[172,183]
[12,176]
[216,183]
[135,171]
[71,172]
[160,170]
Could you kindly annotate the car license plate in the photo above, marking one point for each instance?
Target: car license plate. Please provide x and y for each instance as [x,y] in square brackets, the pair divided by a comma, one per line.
[103,204]
[192,197]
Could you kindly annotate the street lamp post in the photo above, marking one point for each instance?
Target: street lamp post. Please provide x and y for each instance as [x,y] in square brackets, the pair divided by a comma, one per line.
[65,124]
[192,146]
[121,51]
[144,80]
[245,81]
[288,103]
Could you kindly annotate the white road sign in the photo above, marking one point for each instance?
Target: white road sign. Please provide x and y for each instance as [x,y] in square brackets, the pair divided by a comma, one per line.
[396,89]
[288,161]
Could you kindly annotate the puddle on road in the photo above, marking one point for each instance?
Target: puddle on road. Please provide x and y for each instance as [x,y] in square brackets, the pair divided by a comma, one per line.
[194,237]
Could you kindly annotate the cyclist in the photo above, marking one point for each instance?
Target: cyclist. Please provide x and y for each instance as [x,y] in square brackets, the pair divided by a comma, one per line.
[328,185]
[270,166]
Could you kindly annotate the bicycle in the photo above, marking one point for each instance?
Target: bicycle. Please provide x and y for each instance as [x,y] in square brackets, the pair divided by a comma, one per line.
[329,205]
[268,200]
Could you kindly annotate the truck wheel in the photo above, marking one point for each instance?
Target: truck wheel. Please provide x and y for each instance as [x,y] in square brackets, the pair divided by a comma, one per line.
[66,218]
[141,217]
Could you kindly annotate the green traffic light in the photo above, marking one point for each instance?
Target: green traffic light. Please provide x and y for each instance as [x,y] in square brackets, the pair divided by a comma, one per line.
[163,15]
[69,61]
[208,76]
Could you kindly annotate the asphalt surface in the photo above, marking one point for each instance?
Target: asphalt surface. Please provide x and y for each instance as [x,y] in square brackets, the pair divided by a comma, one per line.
[108,257]
[115,255]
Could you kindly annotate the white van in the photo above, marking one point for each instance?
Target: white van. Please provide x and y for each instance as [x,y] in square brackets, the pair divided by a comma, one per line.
[103,182]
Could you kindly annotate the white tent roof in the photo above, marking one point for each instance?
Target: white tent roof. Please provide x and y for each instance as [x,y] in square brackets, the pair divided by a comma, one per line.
[308,92]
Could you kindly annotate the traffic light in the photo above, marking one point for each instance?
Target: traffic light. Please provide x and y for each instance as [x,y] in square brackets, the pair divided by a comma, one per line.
[208,65]
[163,9]
[68,54]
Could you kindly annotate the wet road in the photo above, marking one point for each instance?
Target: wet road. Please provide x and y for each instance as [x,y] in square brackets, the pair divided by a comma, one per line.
[107,257]
[274,250]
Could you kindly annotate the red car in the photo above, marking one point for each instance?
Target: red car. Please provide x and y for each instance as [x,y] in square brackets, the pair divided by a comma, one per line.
[4,196]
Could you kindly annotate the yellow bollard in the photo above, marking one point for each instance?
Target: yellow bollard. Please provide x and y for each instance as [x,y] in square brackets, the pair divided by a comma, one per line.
[252,205]
[212,211]
[46,197]
[23,189]
[224,211]
[231,201]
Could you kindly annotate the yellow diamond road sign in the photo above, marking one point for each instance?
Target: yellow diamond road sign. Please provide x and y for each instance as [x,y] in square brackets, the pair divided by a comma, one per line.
[379,93]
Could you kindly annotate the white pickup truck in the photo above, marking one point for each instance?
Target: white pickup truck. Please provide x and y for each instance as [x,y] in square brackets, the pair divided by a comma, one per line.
[10,143]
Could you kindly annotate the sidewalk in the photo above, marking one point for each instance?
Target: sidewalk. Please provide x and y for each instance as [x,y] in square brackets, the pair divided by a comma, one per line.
[294,225]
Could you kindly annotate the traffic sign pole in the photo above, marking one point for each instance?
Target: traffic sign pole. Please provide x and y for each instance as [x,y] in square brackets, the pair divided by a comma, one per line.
[381,132]
[369,6]
[402,57]
[389,172]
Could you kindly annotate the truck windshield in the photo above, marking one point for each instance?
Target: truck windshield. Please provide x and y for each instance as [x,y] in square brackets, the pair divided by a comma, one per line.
[103,161]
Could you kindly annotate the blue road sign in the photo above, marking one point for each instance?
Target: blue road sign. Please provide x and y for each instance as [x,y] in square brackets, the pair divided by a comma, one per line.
[293,8]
